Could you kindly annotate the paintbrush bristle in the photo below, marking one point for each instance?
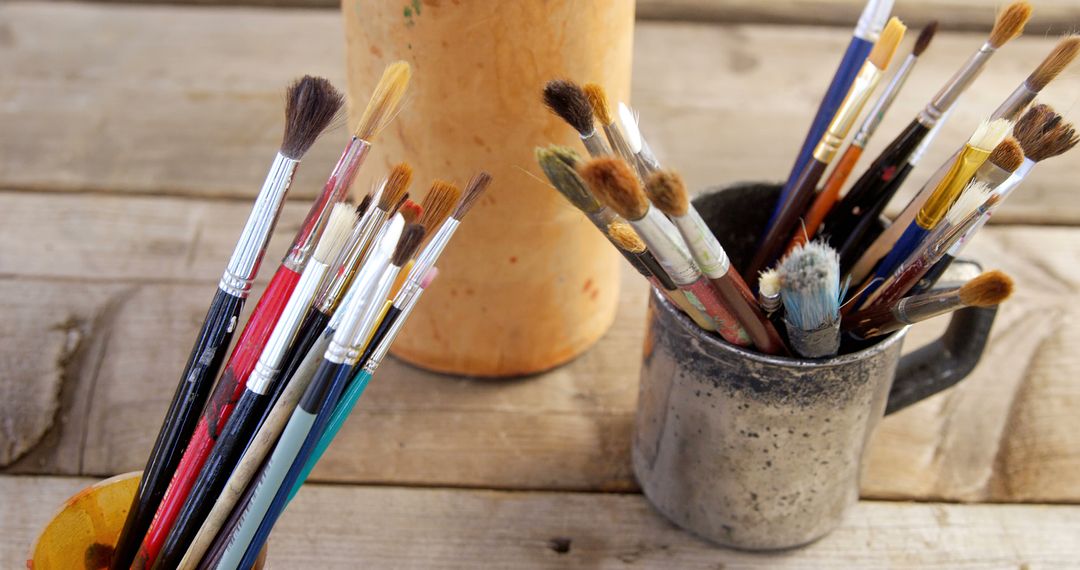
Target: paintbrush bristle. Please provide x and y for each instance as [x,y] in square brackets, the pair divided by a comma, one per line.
[473,190]
[624,237]
[385,100]
[1062,55]
[599,102]
[667,191]
[885,47]
[411,238]
[1010,23]
[568,101]
[810,286]
[1044,134]
[438,203]
[614,183]
[397,184]
[989,134]
[310,104]
[397,207]
[561,170]
[925,36]
[365,203]
[338,227]
[986,290]
[411,211]
[975,195]
[769,283]
[1008,155]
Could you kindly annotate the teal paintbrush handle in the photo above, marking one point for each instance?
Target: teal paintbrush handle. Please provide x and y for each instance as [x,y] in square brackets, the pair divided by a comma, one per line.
[341,412]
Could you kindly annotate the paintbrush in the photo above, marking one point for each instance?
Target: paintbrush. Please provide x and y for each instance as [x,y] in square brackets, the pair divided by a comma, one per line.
[667,192]
[241,425]
[830,192]
[615,184]
[802,191]
[810,291]
[598,102]
[644,161]
[411,212]
[986,290]
[868,197]
[863,39]
[769,291]
[311,103]
[568,101]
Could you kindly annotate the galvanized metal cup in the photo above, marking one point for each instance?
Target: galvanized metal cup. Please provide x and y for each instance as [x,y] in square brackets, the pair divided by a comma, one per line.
[761,452]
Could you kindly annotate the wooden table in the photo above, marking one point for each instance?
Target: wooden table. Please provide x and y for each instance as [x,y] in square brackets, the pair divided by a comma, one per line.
[105,111]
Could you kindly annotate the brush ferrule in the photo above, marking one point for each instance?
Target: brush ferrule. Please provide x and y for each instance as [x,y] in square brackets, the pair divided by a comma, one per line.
[595,145]
[769,303]
[249,250]
[961,80]
[911,310]
[337,185]
[881,106]
[1003,190]
[950,187]
[405,302]
[846,114]
[620,145]
[349,259]
[706,250]
[434,248]
[645,160]
[992,174]
[821,342]
[370,318]
[1015,103]
[872,20]
[663,240]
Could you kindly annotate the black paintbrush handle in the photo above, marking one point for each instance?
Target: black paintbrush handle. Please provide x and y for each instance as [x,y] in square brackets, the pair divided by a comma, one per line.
[783,227]
[202,367]
[376,338]
[215,474]
[868,227]
[933,276]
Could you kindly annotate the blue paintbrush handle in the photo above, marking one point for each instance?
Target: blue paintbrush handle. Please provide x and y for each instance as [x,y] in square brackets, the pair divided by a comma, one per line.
[905,246]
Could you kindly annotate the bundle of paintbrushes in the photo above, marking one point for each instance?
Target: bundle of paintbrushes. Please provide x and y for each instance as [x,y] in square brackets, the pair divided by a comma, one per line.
[823,269]
[238,449]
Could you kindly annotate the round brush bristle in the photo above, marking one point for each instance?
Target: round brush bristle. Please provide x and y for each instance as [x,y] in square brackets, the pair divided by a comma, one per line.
[986,290]
[1010,23]
[624,237]
[567,100]
[473,190]
[769,283]
[924,39]
[437,204]
[614,183]
[560,169]
[599,102]
[385,100]
[1008,155]
[886,45]
[310,104]
[397,184]
[338,227]
[667,192]
[1060,57]
[411,238]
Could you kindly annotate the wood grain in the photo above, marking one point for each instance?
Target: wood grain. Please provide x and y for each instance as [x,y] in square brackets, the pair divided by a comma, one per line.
[434,528]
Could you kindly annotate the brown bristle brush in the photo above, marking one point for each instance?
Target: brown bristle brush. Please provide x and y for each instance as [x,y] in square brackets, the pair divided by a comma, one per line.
[598,101]
[567,100]
[438,203]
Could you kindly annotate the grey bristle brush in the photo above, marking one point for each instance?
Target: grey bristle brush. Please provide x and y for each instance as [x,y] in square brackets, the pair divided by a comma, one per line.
[811,293]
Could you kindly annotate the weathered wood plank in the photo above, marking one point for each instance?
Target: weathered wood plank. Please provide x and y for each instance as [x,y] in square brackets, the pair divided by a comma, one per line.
[116,110]
[433,528]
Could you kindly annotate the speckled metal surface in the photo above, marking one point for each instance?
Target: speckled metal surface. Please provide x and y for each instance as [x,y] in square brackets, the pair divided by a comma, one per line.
[753,451]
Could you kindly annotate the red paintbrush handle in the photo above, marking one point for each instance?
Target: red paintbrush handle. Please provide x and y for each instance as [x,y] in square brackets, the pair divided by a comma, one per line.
[702,294]
[226,393]
[828,196]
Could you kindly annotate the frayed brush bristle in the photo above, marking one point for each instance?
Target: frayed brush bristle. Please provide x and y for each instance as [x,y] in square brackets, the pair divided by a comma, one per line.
[1062,55]
[385,100]
[411,211]
[1008,155]
[438,203]
[310,104]
[667,191]
[397,184]
[1044,134]
[624,237]
[473,190]
[561,170]
[886,45]
[614,183]
[989,134]
[810,286]
[986,290]
[924,39]
[629,124]
[338,227]
[975,195]
[1010,23]
[567,100]
[769,283]
[599,102]
[411,238]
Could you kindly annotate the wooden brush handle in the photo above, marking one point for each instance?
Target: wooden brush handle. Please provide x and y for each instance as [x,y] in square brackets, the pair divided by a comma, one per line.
[737,296]
[827,198]
[776,238]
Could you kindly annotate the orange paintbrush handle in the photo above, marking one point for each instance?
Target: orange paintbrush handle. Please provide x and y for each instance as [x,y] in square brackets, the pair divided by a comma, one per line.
[828,196]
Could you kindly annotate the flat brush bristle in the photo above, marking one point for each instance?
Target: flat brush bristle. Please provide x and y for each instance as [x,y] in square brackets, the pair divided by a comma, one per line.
[438,203]
[338,227]
[1008,155]
[599,102]
[411,211]
[385,100]
[989,134]
[1062,55]
[885,47]
[564,177]
[568,101]
[986,290]
[975,195]
[473,190]
[397,184]
[1010,23]
[925,36]
[624,237]
[310,104]
[667,191]
[615,184]
[411,238]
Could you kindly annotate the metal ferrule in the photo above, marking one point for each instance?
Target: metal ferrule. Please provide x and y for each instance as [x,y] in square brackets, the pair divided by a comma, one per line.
[249,250]
[961,80]
[911,310]
[821,342]
[369,320]
[881,106]
[950,187]
[1003,189]
[706,250]
[350,258]
[405,301]
[992,174]
[846,114]
[645,159]
[769,303]
[434,248]
[595,145]
[1015,104]
[872,20]
[621,146]
[344,347]
[337,185]
[663,240]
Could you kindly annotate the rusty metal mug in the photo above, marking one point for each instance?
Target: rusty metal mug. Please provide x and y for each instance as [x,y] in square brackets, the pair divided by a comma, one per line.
[761,452]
